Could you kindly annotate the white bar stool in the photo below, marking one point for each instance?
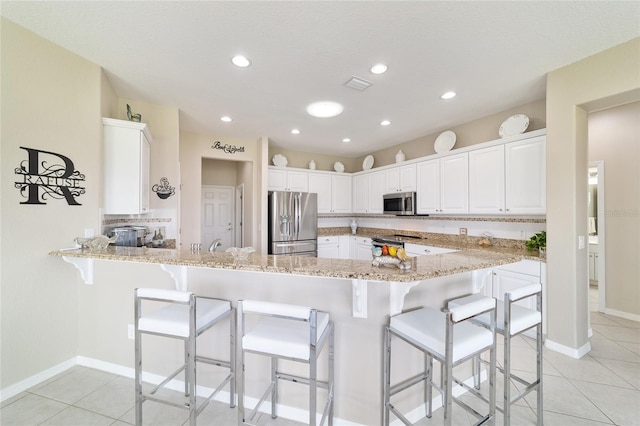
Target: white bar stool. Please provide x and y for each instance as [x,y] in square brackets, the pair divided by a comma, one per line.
[513,320]
[185,317]
[449,337]
[289,332]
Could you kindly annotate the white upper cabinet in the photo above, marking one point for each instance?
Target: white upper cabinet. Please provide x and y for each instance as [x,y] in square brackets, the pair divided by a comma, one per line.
[127,149]
[525,176]
[367,192]
[454,184]
[288,180]
[486,180]
[443,185]
[428,194]
[334,192]
[400,179]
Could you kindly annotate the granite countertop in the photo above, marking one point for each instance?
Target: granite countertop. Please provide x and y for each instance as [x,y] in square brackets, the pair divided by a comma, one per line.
[422,268]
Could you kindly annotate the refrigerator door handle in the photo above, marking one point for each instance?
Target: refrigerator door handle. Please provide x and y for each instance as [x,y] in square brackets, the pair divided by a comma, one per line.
[292,244]
[297,214]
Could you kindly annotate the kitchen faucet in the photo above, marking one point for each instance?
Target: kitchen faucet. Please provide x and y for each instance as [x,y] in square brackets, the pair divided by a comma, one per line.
[215,244]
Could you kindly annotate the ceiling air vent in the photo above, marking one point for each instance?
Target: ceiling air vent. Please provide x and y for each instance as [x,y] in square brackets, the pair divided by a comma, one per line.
[357,84]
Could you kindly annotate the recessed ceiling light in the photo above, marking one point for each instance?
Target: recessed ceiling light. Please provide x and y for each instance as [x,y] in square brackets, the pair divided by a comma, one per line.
[378,68]
[225,118]
[448,95]
[385,122]
[325,109]
[240,61]
[346,140]
[295,131]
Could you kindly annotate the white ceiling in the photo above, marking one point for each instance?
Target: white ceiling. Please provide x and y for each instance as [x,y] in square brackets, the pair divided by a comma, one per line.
[495,55]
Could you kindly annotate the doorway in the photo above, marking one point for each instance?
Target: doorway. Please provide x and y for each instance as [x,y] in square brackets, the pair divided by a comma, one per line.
[596,233]
[218,216]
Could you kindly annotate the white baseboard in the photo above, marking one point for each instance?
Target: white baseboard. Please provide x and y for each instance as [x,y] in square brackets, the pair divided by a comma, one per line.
[566,350]
[621,314]
[36,379]
[284,411]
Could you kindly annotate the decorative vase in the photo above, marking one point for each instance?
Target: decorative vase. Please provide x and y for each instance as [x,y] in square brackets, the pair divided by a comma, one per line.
[400,157]
[312,165]
[354,227]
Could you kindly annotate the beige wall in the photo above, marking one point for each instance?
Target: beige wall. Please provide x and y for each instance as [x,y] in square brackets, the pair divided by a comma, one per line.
[323,162]
[610,75]
[51,101]
[193,149]
[614,137]
[219,172]
[473,132]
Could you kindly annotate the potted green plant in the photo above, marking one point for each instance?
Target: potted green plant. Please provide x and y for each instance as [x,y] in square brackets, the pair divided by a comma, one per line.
[538,241]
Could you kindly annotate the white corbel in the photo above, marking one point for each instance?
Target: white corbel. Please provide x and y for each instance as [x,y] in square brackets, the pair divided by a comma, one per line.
[359,299]
[84,265]
[397,292]
[179,275]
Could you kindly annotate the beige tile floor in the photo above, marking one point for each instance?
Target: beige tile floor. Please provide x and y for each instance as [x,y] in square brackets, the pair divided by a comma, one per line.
[602,388]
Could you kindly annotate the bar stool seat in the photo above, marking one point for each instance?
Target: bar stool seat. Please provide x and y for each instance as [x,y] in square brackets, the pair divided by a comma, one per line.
[449,337]
[290,332]
[183,316]
[512,320]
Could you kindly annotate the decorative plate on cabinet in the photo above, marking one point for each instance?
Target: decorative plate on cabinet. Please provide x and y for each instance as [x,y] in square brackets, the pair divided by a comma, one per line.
[338,167]
[445,141]
[279,160]
[514,125]
[368,162]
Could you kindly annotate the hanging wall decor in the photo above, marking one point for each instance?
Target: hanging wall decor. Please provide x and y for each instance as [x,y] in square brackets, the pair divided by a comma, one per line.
[229,149]
[164,190]
[47,175]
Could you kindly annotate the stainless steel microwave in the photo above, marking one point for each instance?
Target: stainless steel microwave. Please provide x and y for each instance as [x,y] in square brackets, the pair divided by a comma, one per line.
[400,203]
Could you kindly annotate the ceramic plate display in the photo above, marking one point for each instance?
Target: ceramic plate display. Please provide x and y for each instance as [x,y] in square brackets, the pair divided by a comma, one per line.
[445,141]
[338,167]
[514,125]
[368,162]
[279,160]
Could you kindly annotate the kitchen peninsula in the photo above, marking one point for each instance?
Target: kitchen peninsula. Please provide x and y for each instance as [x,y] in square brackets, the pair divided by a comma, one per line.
[360,297]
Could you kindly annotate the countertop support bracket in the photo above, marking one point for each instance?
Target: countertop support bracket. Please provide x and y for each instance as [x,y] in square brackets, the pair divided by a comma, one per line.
[84,265]
[397,292]
[359,300]
[179,275]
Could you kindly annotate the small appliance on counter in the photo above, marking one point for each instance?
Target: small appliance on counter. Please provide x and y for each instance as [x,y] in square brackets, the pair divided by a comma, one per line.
[129,236]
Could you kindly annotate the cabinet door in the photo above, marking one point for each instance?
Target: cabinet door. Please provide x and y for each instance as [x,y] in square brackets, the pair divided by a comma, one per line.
[486,180]
[361,193]
[277,180]
[320,183]
[408,178]
[126,167]
[298,181]
[454,184]
[392,180]
[376,191]
[344,248]
[341,194]
[525,170]
[428,187]
[364,252]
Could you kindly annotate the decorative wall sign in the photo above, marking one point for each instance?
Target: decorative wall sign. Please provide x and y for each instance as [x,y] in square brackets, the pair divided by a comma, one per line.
[229,149]
[164,190]
[43,178]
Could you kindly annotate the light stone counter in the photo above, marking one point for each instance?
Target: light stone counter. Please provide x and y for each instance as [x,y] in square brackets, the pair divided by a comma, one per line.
[422,267]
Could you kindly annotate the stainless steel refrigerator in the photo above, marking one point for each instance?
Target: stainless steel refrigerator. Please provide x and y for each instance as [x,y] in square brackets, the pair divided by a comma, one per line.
[293,223]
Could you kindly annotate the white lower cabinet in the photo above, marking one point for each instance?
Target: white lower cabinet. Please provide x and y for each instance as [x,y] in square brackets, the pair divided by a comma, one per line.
[329,247]
[363,248]
[593,264]
[422,250]
[509,277]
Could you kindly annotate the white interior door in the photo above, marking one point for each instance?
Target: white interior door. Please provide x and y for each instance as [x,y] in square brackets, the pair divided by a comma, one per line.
[217,215]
